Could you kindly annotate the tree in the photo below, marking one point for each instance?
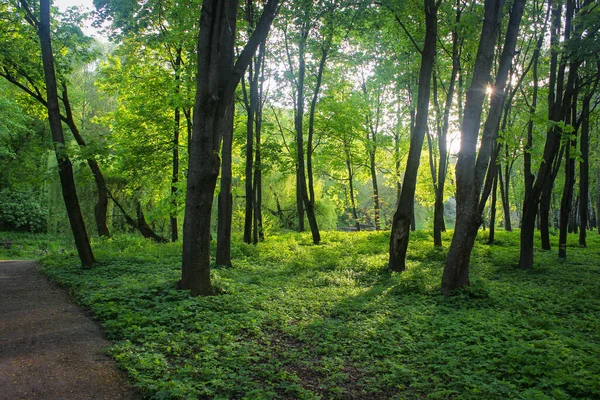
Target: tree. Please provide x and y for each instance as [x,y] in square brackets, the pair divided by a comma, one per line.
[65,168]
[216,82]
[20,65]
[404,213]
[471,167]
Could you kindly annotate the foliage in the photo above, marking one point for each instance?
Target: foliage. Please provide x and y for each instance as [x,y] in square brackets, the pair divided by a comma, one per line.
[31,246]
[21,211]
[295,320]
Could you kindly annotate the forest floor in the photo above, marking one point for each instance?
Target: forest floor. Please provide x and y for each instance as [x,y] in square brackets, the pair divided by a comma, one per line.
[49,348]
[297,321]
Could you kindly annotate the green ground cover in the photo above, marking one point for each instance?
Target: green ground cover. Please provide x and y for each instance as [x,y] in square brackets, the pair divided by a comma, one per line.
[298,321]
[32,246]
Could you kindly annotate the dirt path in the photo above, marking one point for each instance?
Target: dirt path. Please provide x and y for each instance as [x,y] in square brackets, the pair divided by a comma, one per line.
[49,348]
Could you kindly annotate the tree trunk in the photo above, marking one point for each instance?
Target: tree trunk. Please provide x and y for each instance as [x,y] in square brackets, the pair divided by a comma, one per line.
[471,168]
[351,187]
[216,83]
[258,234]
[491,237]
[402,217]
[175,176]
[566,202]
[176,131]
[65,168]
[139,223]
[101,206]
[301,180]
[225,200]
[504,187]
[558,105]
[250,122]
[584,173]
[439,225]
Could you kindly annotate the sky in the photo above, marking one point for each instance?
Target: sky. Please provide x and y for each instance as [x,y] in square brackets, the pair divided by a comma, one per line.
[64,4]
[88,5]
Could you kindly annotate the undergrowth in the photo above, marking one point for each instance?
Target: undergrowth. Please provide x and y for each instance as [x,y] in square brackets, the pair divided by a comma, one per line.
[298,321]
[32,246]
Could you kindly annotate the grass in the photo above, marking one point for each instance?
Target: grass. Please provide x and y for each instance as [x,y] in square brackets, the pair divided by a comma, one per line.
[297,321]
[32,246]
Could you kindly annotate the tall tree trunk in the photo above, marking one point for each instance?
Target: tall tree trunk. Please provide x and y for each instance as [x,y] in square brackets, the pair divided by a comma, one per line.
[301,180]
[65,168]
[175,176]
[351,187]
[491,237]
[439,225]
[558,105]
[101,206]
[216,80]
[175,170]
[258,234]
[225,212]
[566,202]
[311,125]
[504,188]
[584,172]
[251,111]
[402,217]
[471,168]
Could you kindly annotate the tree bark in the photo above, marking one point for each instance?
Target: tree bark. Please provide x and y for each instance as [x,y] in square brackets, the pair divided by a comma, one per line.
[258,234]
[301,175]
[175,170]
[217,79]
[471,168]
[492,234]
[402,217]
[250,123]
[65,168]
[225,200]
[504,188]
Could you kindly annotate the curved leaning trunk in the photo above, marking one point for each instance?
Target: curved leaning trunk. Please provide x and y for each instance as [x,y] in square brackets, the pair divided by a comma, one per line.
[404,215]
[65,168]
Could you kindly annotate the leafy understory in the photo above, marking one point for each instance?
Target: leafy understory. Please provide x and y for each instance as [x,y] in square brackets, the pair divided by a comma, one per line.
[298,321]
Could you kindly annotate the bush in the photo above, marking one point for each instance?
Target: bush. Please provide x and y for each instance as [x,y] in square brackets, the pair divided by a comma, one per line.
[21,211]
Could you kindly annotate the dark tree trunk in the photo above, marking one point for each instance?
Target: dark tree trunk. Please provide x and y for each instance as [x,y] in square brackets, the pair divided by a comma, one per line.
[566,202]
[311,127]
[145,229]
[376,207]
[139,223]
[225,200]
[351,187]
[504,188]
[216,83]
[176,130]
[544,210]
[558,105]
[491,237]
[175,176]
[65,168]
[251,107]
[439,225]
[301,176]
[258,234]
[101,206]
[372,133]
[404,213]
[471,168]
[584,173]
